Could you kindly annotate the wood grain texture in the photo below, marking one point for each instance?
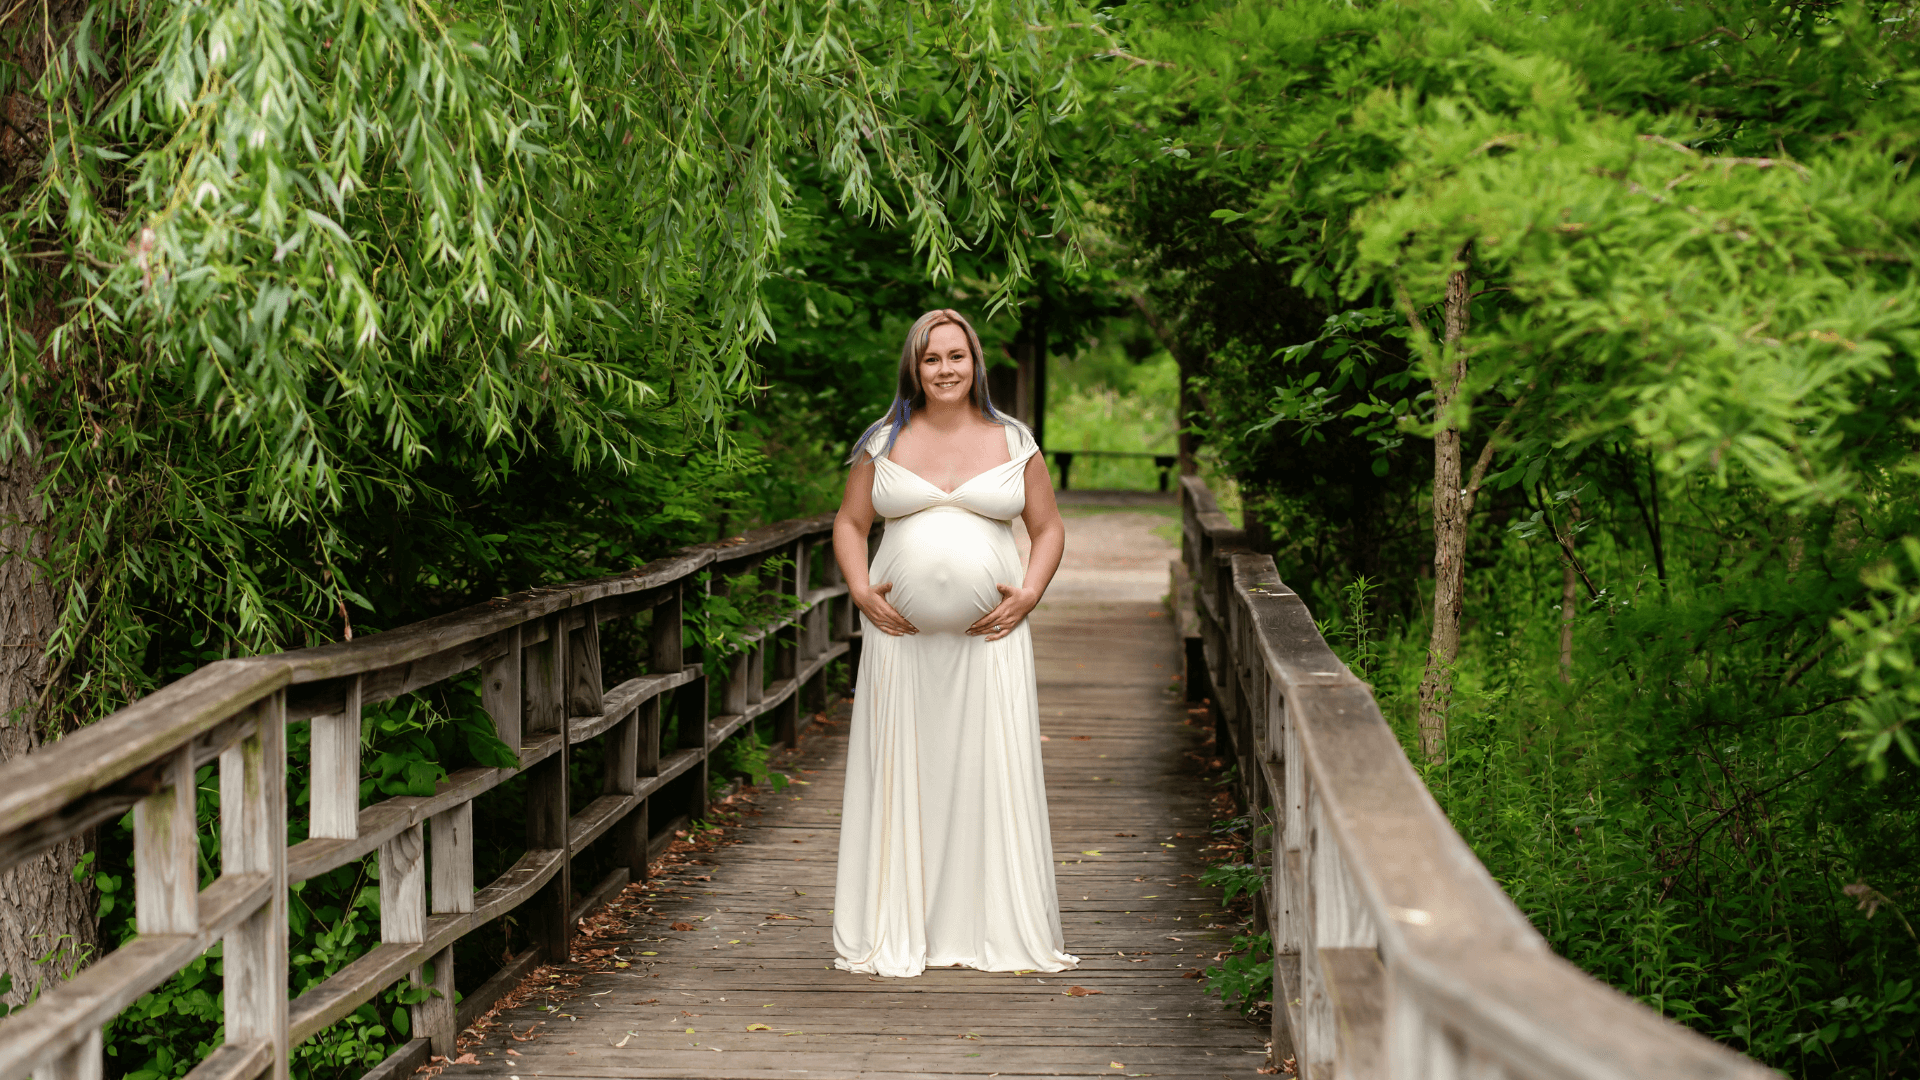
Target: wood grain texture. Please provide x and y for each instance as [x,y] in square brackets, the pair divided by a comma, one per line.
[403,887]
[335,799]
[451,834]
[166,855]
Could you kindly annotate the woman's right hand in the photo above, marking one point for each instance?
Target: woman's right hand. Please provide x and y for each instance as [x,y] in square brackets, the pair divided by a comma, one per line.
[873,604]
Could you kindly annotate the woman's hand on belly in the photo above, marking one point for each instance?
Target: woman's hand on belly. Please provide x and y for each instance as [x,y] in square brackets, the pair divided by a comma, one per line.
[1015,604]
[873,604]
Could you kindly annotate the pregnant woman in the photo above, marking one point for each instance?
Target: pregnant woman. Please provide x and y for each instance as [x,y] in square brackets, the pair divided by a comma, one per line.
[945,857]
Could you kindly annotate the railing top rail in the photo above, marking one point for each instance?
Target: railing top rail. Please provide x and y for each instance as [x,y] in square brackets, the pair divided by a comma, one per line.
[1460,954]
[115,752]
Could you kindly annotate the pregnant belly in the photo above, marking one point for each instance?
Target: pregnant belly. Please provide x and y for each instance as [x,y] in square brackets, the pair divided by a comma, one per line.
[944,565]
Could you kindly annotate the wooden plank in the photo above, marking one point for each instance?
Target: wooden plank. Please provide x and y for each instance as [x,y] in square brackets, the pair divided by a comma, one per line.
[451,833]
[585,694]
[253,840]
[403,887]
[402,1063]
[235,1061]
[1357,984]
[166,855]
[500,691]
[596,818]
[334,808]
[433,1019]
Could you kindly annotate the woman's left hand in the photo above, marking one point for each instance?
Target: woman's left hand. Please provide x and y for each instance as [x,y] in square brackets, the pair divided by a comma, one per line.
[1014,606]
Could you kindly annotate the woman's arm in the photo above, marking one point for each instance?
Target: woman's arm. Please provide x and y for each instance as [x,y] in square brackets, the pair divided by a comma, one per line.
[1048,542]
[850,528]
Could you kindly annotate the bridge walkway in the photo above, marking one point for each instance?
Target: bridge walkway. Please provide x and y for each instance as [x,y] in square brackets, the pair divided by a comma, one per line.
[749,992]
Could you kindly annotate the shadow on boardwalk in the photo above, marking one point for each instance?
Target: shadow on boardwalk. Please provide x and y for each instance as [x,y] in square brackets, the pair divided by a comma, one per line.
[750,990]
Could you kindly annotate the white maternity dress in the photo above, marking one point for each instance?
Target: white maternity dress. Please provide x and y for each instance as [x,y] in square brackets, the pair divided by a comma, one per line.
[945,857]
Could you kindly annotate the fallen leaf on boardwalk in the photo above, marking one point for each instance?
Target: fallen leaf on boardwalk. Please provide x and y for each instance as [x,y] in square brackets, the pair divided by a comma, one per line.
[1081,991]
[1194,974]
[513,1053]
[465,1059]
[735,941]
[690,1031]
[1115,1065]
[1081,738]
[682,926]
[649,954]
[623,1040]
[784,1034]
[1095,852]
[758,1027]
[621,964]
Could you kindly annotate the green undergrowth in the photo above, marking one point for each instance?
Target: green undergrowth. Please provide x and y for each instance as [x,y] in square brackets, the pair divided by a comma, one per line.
[1680,812]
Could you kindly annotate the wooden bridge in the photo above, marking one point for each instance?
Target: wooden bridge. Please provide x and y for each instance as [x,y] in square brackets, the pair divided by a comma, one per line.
[1397,953]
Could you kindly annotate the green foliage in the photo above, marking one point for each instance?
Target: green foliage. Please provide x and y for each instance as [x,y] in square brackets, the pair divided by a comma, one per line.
[724,621]
[1245,974]
[746,756]
[1234,879]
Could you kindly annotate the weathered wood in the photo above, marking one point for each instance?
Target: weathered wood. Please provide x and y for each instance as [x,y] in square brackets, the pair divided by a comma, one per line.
[500,691]
[548,814]
[403,887]
[166,855]
[666,649]
[451,834]
[402,1063]
[584,690]
[235,1061]
[335,800]
[433,1019]
[253,840]
[85,1061]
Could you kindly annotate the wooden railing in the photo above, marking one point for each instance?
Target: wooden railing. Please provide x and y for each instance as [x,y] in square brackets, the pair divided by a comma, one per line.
[1395,952]
[540,661]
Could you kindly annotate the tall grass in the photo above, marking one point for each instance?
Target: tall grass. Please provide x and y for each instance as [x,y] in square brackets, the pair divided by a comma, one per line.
[1102,399]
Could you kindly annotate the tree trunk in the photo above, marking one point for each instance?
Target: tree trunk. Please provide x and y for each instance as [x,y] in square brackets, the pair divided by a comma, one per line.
[1451,505]
[44,912]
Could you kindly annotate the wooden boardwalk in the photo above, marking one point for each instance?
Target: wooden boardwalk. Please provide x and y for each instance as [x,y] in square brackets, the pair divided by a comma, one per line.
[749,991]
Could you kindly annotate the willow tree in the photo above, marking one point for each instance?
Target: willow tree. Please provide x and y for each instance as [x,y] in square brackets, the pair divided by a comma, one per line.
[266,263]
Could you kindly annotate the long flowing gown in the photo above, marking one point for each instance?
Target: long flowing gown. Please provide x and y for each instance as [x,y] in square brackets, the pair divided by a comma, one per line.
[945,855]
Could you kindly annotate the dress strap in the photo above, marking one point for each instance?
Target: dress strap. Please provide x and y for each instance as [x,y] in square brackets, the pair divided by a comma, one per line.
[1020,443]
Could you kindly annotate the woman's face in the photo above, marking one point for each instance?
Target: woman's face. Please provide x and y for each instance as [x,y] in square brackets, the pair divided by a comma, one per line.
[946,368]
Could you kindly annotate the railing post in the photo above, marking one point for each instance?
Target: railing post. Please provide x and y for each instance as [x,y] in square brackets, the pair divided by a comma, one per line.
[450,834]
[253,840]
[334,810]
[166,856]
[628,837]
[548,814]
[500,693]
